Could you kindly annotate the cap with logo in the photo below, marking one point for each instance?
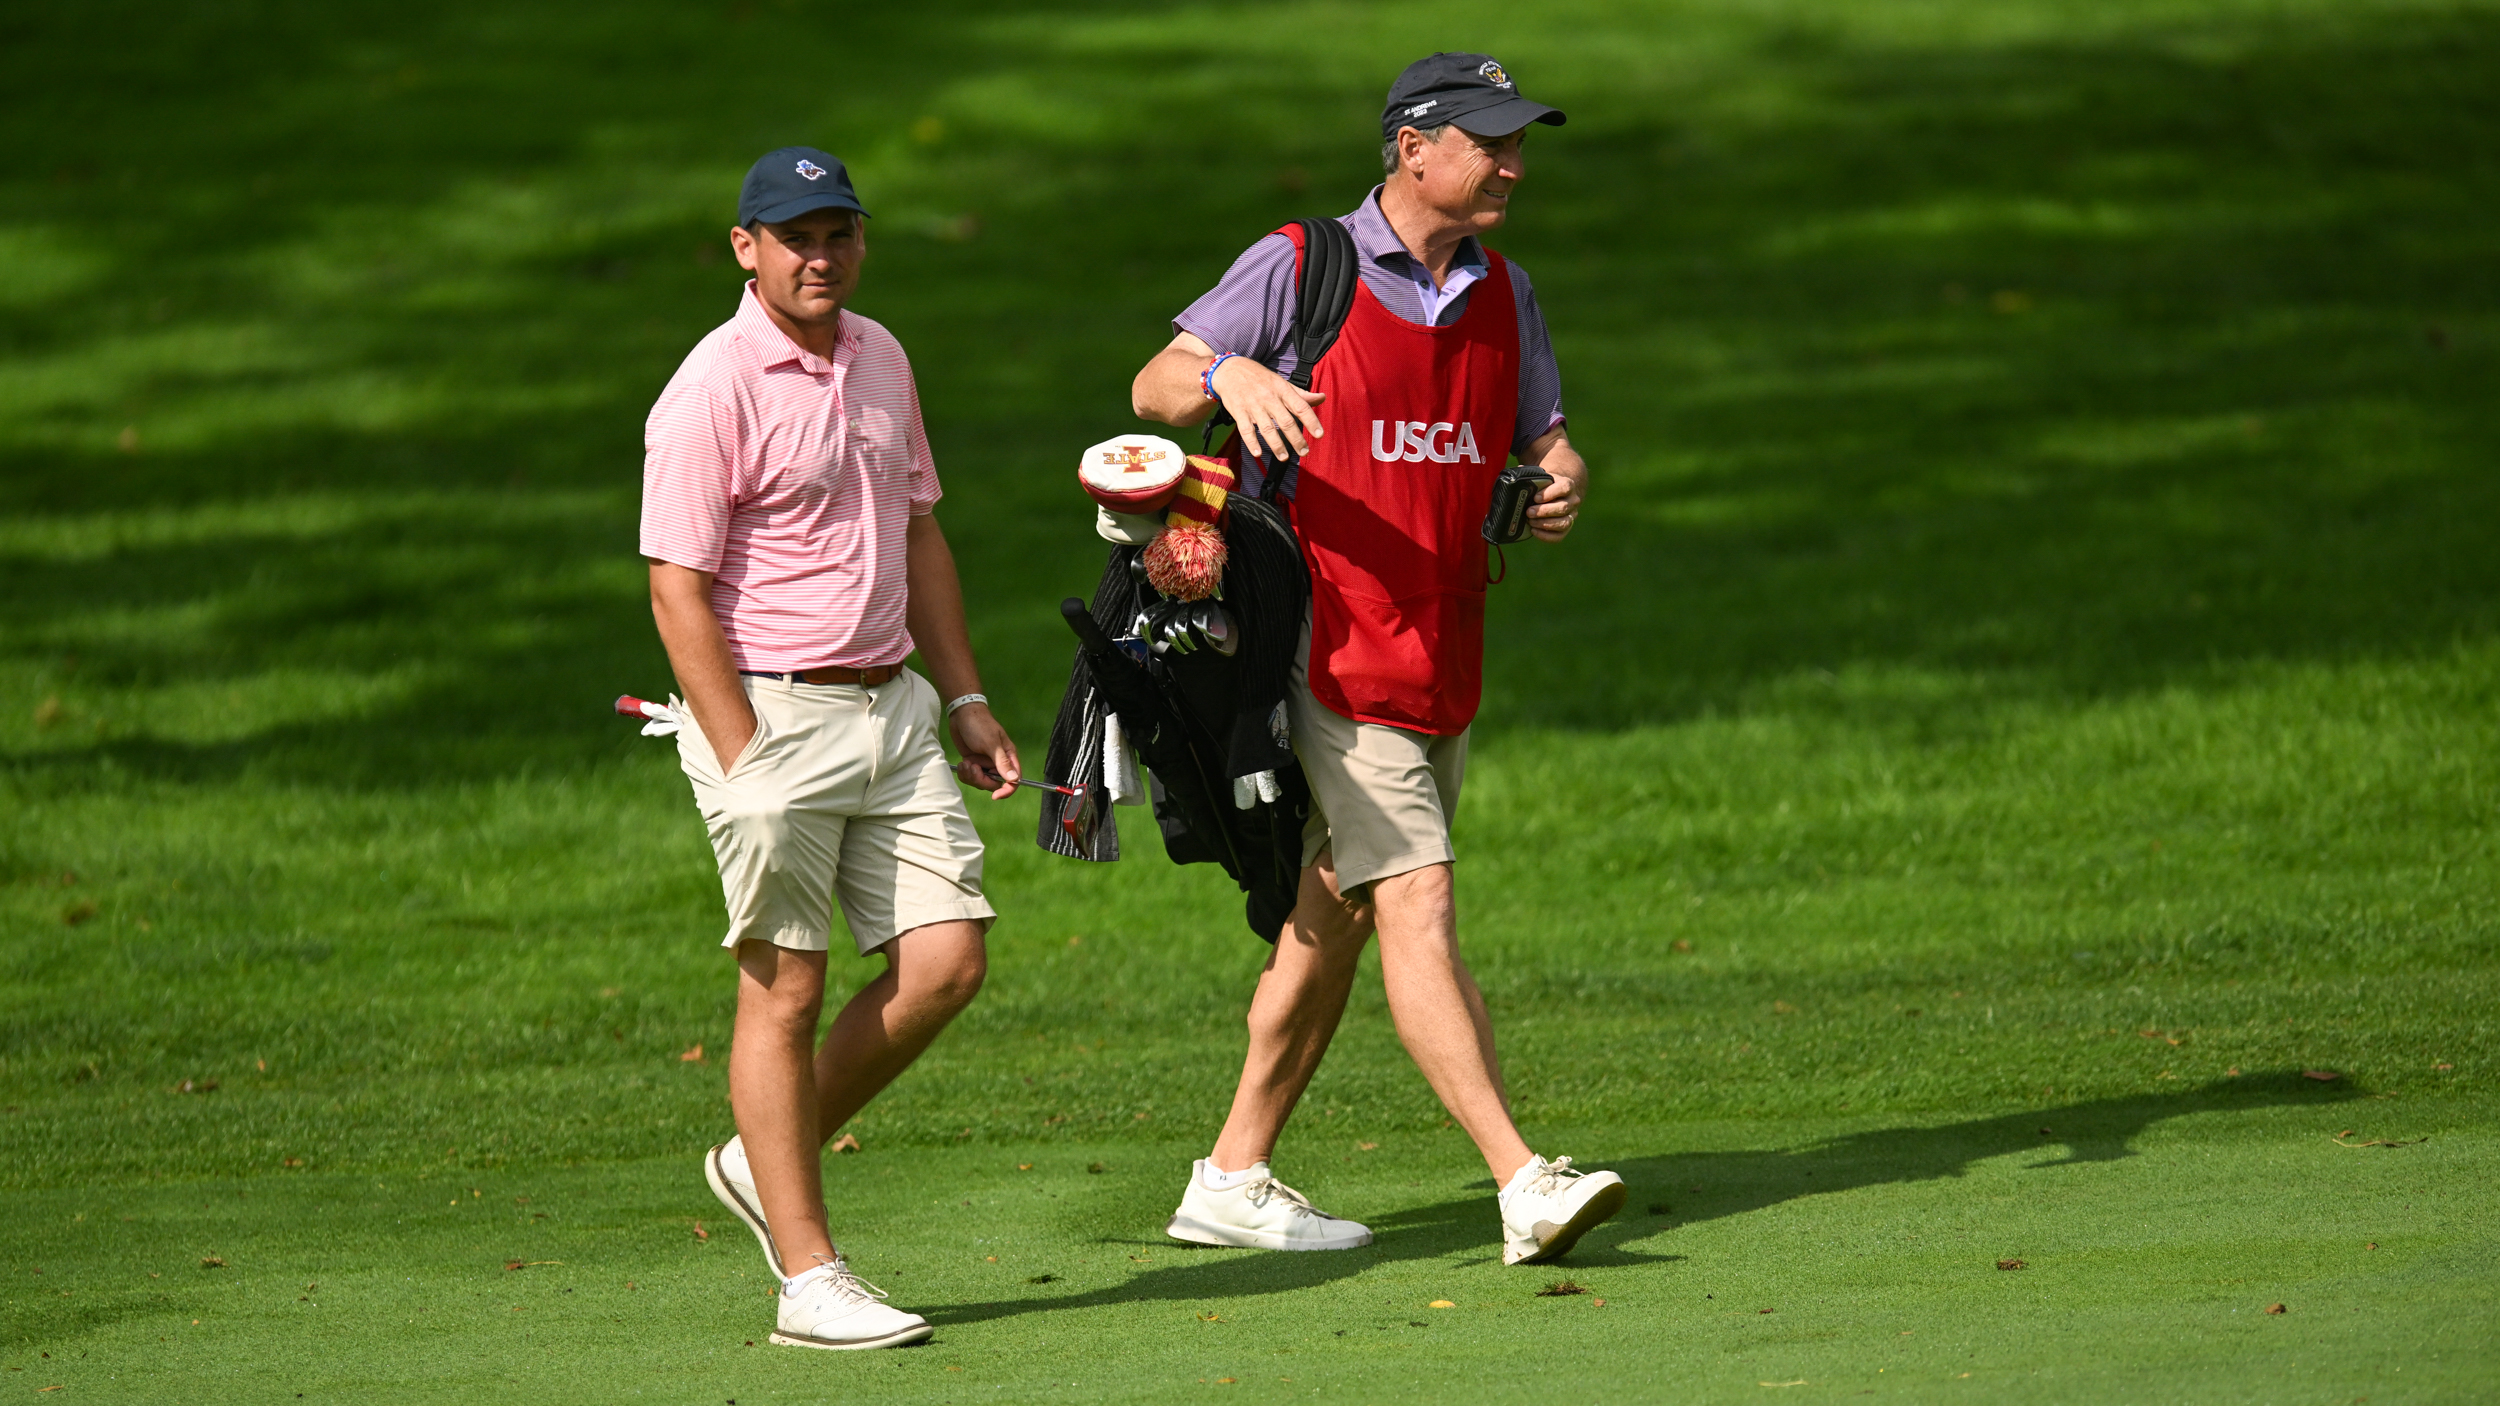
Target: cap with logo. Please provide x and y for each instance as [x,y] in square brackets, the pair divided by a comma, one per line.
[785,184]
[1468,89]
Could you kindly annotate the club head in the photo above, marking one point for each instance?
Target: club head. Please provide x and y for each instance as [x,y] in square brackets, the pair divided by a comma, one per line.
[1215,626]
[1079,817]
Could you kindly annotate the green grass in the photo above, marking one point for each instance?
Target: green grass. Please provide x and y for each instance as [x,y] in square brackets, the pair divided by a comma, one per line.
[2037,606]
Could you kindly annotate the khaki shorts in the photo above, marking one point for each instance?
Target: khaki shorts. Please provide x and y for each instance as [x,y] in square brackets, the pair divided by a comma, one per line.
[844,792]
[1382,797]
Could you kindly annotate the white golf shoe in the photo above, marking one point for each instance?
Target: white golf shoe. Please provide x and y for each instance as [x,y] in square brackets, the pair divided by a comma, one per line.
[1257,1212]
[831,1307]
[1548,1206]
[725,1167]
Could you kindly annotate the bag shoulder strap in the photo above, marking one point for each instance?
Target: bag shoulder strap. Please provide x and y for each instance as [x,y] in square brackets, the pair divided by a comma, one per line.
[1324,278]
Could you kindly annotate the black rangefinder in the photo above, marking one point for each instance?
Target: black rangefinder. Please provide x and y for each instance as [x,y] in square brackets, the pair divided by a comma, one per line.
[1513,494]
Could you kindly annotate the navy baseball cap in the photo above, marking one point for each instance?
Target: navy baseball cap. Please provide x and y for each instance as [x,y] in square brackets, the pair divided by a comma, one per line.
[1468,89]
[785,184]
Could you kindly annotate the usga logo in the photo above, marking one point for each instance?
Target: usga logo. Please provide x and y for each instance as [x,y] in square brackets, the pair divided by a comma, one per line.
[1414,442]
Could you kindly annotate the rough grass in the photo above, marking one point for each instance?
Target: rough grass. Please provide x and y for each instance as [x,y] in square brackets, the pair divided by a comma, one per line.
[2027,666]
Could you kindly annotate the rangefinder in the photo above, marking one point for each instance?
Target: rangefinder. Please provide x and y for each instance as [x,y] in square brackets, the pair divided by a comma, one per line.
[1513,493]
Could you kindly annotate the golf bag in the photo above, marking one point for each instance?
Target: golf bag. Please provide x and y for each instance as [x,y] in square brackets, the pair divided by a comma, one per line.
[1210,726]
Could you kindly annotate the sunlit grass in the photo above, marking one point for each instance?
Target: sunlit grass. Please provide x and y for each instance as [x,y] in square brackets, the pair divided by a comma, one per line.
[2036,607]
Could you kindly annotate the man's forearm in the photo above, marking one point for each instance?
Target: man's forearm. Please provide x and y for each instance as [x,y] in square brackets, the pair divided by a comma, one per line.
[1167,389]
[698,653]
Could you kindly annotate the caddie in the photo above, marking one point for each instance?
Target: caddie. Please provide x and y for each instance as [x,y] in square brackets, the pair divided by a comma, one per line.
[1441,372]
[796,561]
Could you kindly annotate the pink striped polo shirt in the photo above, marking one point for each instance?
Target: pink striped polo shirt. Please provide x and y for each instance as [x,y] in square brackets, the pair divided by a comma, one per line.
[793,480]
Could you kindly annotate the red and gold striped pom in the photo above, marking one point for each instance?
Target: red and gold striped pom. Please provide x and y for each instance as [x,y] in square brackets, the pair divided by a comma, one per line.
[1187,560]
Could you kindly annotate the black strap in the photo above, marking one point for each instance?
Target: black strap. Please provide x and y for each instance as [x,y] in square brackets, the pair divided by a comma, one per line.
[1323,294]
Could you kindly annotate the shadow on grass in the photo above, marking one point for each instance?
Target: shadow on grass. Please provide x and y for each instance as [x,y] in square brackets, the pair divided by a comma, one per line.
[2216,417]
[1706,1186]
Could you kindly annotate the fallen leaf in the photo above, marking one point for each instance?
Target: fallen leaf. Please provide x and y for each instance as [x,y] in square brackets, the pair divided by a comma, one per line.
[1681,945]
[991,1258]
[692,1056]
[1799,1382]
[292,1162]
[1096,1168]
[1597,1303]
[2276,1308]
[1560,1288]
[1043,1279]
[1210,1318]
[846,1143]
[2044,1132]
[1765,1310]
[1965,1374]
[77,913]
[1223,1381]
[2371,1246]
[2375,1142]
[2443,1068]
[511,1264]
[1782,1008]
[954,1369]
[1367,1147]
[700,1233]
[211,1262]
[2012,1264]
[2323,1076]
[261,1064]
[1142,1117]
[1440,1303]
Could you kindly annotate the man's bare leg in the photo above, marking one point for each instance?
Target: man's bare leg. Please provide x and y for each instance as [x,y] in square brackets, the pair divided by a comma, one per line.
[1440,1014]
[931,974]
[772,1094]
[1294,1014]
[790,1095]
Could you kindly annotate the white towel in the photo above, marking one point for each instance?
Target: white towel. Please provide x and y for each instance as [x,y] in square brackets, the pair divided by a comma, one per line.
[1119,765]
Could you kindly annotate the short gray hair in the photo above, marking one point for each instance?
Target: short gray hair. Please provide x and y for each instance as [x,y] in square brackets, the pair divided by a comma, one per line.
[1389,148]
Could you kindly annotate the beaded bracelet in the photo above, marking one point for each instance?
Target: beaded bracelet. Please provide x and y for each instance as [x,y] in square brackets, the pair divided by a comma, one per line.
[1206,378]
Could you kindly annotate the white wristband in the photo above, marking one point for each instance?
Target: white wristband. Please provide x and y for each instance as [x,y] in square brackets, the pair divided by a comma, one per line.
[965,702]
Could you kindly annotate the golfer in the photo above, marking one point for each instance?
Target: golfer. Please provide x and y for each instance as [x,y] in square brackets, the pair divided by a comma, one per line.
[795,562]
[1443,371]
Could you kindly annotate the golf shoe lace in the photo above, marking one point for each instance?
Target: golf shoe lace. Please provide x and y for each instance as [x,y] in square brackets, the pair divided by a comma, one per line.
[1551,1178]
[845,1284]
[1265,1187]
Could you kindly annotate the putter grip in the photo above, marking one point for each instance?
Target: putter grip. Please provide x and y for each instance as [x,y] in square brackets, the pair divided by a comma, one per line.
[631,706]
[1088,633]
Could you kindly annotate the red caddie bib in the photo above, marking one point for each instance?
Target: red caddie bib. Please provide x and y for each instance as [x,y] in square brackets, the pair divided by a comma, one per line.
[1390,505]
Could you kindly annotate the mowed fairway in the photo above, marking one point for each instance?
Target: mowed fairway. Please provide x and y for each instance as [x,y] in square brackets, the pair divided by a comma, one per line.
[2005,773]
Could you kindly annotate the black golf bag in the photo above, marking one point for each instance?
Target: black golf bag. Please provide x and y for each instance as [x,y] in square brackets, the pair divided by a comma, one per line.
[1209,726]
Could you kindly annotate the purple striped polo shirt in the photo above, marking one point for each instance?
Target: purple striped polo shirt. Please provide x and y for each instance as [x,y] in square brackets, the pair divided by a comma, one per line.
[1251,311]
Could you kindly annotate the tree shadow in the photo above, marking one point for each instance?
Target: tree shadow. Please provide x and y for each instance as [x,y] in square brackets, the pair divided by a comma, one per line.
[1704,1186]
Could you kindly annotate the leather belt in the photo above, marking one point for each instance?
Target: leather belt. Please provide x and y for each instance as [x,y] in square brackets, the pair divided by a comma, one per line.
[857,678]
